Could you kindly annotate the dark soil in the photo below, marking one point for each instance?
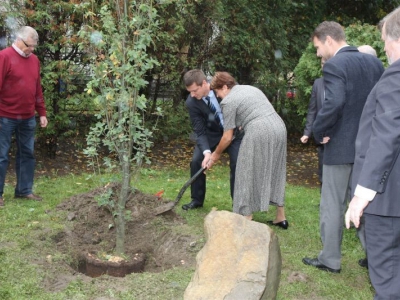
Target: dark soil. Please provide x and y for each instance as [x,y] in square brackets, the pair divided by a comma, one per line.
[89,231]
[87,224]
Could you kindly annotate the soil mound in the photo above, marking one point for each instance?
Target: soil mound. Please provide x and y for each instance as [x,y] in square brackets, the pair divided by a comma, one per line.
[91,229]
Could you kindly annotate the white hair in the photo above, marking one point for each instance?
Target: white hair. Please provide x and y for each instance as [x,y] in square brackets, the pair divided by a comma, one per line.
[367,49]
[26,32]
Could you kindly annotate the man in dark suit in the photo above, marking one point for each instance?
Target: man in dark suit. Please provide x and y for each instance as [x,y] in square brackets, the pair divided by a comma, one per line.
[348,76]
[315,104]
[361,230]
[376,172]
[208,128]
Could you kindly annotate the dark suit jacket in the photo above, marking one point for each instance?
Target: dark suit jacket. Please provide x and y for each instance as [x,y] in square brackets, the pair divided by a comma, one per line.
[317,97]
[349,76]
[377,163]
[208,132]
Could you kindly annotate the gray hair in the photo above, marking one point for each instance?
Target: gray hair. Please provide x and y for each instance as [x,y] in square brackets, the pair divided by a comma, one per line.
[26,32]
[392,24]
[367,49]
[382,22]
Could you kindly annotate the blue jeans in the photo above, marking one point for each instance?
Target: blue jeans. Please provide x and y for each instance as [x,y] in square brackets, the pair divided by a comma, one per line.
[24,160]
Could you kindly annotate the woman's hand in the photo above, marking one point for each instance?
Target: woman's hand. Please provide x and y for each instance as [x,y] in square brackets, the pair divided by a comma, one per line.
[213,159]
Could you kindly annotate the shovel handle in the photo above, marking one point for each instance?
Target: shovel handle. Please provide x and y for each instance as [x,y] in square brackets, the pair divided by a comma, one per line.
[186,185]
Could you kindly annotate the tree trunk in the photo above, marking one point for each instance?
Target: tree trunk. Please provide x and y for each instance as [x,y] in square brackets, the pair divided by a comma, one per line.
[123,196]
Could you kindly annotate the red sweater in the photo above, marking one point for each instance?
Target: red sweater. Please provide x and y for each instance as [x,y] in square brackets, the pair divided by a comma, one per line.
[20,87]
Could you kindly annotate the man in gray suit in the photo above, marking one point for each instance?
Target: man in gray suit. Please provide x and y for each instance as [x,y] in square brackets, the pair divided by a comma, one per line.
[376,173]
[349,76]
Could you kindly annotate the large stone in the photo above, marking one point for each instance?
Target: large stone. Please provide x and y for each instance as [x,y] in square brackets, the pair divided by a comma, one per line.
[240,260]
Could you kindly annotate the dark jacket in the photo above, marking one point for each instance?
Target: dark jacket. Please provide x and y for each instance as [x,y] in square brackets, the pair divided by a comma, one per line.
[349,76]
[377,163]
[317,97]
[207,131]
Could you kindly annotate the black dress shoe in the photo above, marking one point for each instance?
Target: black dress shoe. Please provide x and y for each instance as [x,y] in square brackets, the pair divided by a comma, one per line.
[314,262]
[284,224]
[191,205]
[363,262]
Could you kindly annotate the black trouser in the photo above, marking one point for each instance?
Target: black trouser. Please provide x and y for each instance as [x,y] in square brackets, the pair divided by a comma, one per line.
[198,187]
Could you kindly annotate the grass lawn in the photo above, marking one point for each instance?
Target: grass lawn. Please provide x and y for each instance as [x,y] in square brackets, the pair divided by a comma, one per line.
[22,271]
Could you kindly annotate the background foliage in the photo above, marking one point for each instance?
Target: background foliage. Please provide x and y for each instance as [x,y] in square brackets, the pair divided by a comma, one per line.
[260,42]
[63,64]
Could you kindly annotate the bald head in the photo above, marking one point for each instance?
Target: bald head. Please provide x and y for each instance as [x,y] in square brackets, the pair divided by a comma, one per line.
[367,49]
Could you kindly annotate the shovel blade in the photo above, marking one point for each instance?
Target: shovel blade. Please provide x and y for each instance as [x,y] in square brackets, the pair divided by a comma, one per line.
[164,208]
[170,205]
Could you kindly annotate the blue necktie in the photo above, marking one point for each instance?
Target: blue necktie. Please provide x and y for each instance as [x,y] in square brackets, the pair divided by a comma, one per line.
[214,111]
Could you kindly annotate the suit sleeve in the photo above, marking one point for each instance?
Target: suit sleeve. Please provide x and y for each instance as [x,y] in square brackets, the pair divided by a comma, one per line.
[198,124]
[384,144]
[312,111]
[335,97]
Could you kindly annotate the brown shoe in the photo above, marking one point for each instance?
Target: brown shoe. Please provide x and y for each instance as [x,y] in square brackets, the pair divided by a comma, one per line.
[1,202]
[30,197]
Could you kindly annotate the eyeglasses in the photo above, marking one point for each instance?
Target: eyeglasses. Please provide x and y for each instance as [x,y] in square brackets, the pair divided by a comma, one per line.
[29,46]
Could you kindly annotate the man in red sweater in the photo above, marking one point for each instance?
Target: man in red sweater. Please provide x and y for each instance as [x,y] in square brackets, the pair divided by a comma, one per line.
[20,96]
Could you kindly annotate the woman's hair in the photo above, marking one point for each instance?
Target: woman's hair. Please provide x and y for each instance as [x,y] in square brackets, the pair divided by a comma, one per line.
[222,78]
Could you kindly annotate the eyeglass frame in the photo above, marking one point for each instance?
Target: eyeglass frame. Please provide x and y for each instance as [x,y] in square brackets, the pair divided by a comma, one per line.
[28,46]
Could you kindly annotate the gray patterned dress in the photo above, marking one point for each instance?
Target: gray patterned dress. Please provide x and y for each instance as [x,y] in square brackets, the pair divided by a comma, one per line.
[261,165]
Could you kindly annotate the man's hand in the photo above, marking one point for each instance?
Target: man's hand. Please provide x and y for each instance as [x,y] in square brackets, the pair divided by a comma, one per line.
[355,211]
[325,140]
[304,139]
[43,121]
[207,157]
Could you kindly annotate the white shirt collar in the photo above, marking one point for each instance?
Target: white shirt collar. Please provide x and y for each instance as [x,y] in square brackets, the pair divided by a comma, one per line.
[19,51]
[339,49]
[210,95]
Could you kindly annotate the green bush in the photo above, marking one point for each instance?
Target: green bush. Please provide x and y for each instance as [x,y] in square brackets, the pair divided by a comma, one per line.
[175,121]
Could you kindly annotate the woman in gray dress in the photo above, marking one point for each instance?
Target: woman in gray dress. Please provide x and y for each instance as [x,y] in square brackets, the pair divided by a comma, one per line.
[261,166]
